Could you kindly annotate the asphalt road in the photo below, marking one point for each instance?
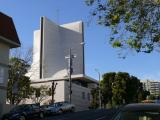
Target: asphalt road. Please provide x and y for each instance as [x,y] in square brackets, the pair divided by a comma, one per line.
[102,114]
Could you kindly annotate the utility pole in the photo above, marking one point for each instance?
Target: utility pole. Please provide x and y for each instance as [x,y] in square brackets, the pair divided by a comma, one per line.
[99,77]
[70,71]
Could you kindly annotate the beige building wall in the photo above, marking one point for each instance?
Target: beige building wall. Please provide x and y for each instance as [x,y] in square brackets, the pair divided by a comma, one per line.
[59,92]
[4,57]
[81,96]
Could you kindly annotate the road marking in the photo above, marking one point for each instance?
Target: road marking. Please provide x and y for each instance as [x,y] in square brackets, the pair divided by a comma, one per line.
[100,118]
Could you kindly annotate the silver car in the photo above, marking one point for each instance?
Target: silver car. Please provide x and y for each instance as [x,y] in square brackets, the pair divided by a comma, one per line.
[139,111]
[60,107]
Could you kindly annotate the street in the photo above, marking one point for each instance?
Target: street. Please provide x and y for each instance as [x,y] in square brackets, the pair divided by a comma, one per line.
[102,114]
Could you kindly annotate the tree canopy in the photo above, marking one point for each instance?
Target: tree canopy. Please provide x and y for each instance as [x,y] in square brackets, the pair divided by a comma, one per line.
[135,24]
[95,98]
[18,84]
[121,88]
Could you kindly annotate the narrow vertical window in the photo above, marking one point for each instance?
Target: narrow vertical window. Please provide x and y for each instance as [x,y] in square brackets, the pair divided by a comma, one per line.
[83,95]
[88,96]
[1,74]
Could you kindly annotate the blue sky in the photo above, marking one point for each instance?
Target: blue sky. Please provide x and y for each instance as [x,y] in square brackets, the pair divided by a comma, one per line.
[98,53]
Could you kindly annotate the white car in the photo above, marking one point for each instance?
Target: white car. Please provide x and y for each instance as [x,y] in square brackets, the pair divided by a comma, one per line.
[61,107]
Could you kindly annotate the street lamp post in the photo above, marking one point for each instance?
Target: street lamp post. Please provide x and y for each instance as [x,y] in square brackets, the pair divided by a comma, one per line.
[70,70]
[99,77]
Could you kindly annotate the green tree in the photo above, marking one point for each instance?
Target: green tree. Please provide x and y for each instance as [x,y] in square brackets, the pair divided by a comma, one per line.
[133,89]
[121,88]
[152,97]
[135,24]
[106,87]
[18,85]
[95,98]
[146,94]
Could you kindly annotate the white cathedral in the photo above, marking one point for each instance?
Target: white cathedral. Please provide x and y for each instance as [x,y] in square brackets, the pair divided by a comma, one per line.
[50,47]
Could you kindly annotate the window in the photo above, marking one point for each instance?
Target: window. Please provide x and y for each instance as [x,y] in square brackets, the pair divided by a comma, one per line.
[88,96]
[83,95]
[1,74]
[35,106]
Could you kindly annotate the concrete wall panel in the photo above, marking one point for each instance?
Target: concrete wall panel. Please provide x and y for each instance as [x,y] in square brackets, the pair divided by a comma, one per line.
[34,72]
[53,56]
[57,40]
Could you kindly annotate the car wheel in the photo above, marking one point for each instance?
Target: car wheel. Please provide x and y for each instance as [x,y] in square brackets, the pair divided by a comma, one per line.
[22,118]
[72,109]
[41,115]
[60,111]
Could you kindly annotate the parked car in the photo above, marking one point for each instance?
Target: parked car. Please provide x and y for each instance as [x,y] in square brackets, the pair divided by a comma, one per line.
[48,109]
[60,107]
[23,112]
[139,111]
[44,108]
[65,107]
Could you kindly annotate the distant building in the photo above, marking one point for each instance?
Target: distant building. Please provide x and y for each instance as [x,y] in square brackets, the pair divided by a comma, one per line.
[152,86]
[8,39]
[51,45]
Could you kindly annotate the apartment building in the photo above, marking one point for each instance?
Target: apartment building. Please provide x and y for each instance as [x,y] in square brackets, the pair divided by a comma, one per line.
[152,86]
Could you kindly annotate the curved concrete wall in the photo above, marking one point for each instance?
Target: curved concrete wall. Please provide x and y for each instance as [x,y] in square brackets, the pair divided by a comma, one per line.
[56,43]
[51,44]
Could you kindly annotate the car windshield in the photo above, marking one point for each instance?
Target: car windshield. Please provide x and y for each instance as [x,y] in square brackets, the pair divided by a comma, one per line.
[56,105]
[44,106]
[140,115]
